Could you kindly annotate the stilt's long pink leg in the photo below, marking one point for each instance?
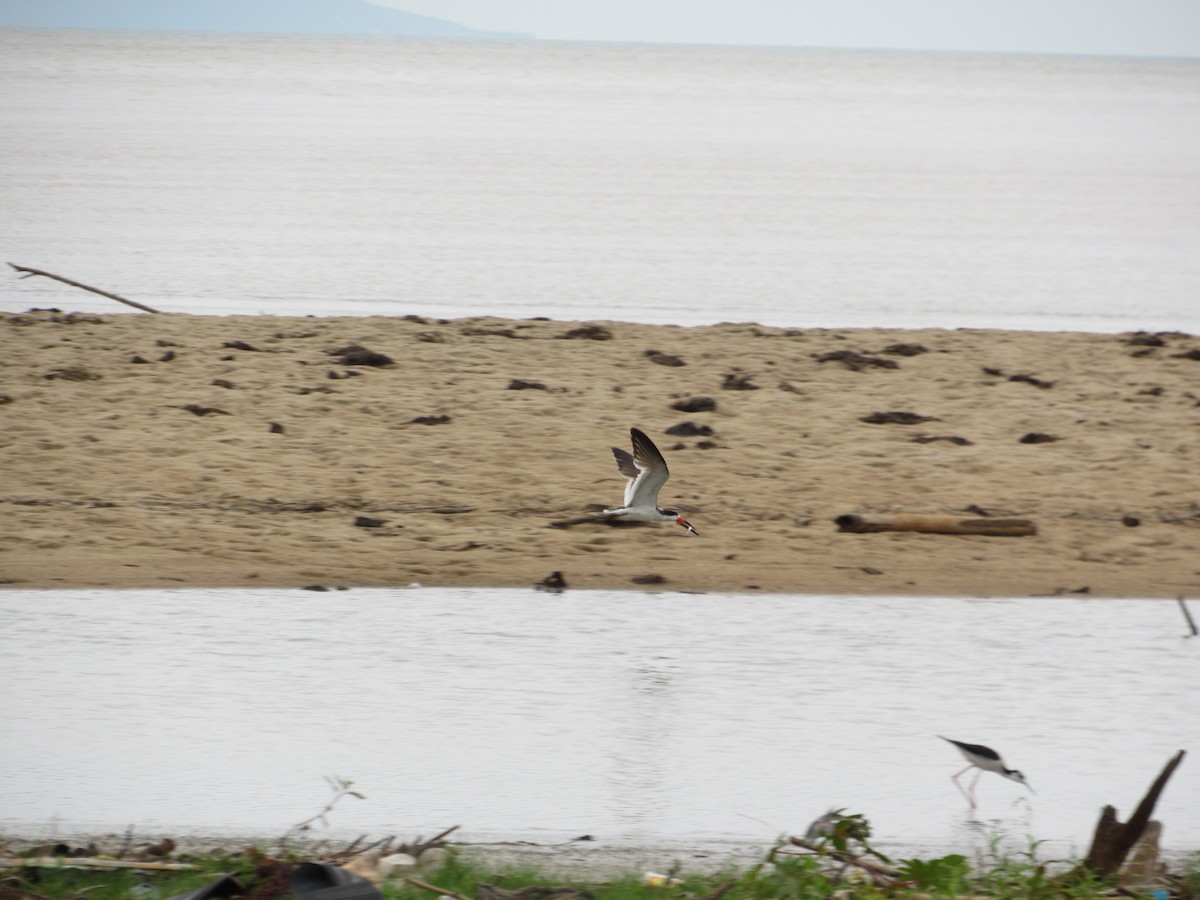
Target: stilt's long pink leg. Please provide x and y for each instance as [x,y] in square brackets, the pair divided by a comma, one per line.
[970,799]
[974,782]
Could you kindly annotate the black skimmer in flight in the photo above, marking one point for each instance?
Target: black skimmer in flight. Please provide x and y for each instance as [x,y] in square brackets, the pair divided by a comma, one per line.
[985,759]
[647,473]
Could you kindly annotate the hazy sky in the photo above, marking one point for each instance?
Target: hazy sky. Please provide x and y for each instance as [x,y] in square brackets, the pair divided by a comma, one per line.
[1123,27]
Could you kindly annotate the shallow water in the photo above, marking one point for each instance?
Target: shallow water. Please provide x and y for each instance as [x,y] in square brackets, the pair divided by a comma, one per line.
[628,716]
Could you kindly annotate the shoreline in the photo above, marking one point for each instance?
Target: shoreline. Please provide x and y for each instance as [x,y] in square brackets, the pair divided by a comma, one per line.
[583,856]
[174,450]
[580,857]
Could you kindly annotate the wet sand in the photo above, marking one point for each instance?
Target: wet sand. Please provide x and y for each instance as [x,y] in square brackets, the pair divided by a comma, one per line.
[146,450]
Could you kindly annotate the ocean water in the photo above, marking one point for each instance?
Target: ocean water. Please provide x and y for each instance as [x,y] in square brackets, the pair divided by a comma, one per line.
[634,717]
[303,175]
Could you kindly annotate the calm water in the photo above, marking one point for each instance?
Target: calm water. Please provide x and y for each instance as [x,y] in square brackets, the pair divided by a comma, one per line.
[258,174]
[624,715]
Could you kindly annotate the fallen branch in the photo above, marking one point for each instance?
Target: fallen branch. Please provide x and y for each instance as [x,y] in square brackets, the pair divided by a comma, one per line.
[444,892]
[31,272]
[862,524]
[419,846]
[484,891]
[383,845]
[845,856]
[719,891]
[86,862]
[880,873]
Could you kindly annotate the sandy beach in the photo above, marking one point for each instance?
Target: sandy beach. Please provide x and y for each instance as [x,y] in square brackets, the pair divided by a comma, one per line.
[145,450]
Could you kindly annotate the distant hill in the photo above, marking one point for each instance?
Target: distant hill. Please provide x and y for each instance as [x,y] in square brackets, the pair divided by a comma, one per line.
[280,16]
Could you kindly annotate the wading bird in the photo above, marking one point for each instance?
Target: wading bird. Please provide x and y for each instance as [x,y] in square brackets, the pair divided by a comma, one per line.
[985,759]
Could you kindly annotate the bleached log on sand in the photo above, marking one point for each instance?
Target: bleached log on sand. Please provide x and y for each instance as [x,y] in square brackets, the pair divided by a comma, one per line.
[934,524]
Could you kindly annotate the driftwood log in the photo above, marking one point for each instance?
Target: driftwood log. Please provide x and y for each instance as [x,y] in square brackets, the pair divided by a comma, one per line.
[85,862]
[870,522]
[28,272]
[1113,839]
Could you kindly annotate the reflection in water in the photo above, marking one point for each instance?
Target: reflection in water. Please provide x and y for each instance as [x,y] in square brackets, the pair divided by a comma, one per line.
[981,838]
[620,715]
[641,752]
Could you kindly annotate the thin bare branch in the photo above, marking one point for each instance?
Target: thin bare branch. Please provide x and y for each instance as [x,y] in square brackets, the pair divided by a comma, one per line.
[444,892]
[28,272]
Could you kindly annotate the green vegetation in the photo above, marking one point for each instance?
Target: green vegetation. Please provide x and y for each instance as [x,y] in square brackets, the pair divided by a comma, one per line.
[835,860]
[791,871]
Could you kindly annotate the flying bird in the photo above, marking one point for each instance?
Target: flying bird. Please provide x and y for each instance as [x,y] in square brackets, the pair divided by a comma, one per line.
[985,759]
[647,473]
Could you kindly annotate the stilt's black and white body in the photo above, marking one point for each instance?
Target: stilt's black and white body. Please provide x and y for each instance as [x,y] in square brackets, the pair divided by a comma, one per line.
[985,759]
[647,473]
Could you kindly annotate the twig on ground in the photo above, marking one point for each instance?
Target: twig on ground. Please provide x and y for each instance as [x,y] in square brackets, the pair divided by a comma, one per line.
[419,846]
[444,892]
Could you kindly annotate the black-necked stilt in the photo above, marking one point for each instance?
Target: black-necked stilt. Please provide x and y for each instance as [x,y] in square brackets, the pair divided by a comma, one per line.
[647,473]
[985,759]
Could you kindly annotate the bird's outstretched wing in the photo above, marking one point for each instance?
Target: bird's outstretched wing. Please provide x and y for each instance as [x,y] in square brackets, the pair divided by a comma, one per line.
[645,468]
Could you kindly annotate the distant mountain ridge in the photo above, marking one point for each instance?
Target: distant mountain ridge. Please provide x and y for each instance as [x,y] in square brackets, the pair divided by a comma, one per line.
[271,16]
